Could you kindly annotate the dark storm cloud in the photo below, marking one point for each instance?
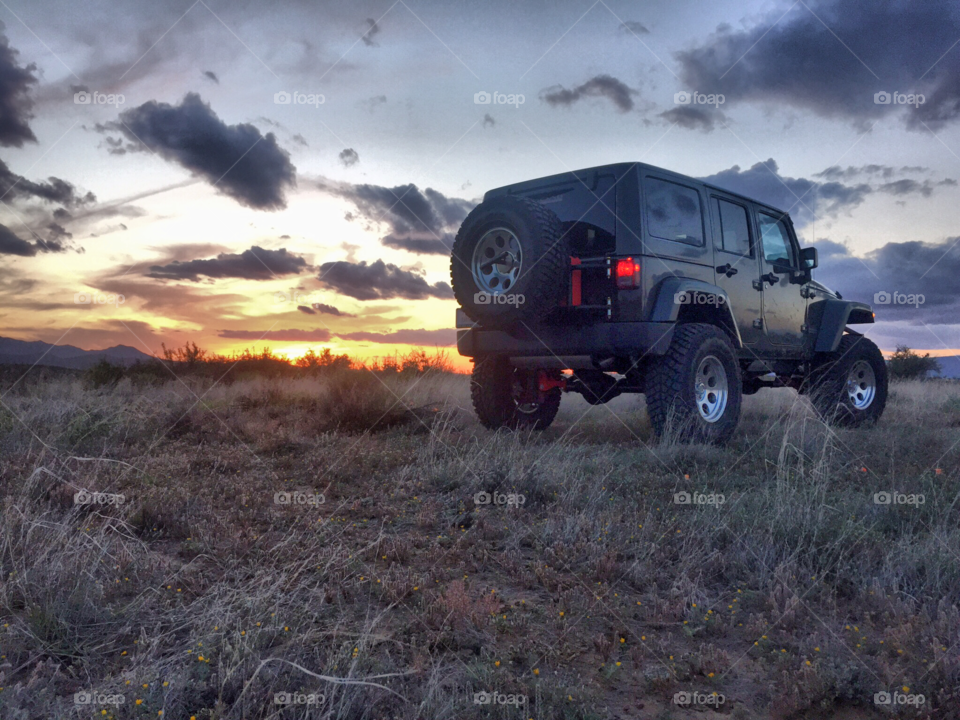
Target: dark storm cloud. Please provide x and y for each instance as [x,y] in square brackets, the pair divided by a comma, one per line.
[764,182]
[419,221]
[908,268]
[253,264]
[211,75]
[15,100]
[796,60]
[379,281]
[10,244]
[633,27]
[54,190]
[368,35]
[236,159]
[349,157]
[604,86]
[693,118]
[291,335]
[443,337]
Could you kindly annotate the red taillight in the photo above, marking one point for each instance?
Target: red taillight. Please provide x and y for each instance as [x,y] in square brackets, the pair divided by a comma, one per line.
[628,274]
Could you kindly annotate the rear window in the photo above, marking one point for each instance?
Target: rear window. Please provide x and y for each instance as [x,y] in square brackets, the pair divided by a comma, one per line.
[592,202]
[673,211]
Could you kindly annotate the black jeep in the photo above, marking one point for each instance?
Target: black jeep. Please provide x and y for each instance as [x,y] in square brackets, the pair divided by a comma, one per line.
[640,280]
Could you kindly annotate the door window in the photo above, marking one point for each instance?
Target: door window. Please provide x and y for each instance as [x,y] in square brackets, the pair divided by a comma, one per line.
[775,238]
[734,228]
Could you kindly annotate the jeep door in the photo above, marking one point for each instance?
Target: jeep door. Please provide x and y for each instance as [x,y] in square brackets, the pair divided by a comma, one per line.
[737,262]
[784,307]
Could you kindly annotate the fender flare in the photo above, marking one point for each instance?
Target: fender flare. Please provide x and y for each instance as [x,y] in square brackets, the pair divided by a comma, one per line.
[666,307]
[837,314]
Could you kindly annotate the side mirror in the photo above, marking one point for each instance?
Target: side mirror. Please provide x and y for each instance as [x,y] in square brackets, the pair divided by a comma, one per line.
[808,258]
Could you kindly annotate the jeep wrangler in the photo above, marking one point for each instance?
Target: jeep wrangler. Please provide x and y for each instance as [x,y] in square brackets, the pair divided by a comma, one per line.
[628,278]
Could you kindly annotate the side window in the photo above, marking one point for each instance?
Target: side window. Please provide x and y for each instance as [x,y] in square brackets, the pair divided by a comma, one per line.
[673,211]
[734,228]
[776,240]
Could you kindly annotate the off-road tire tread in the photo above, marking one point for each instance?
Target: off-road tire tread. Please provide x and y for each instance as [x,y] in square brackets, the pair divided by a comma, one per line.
[825,384]
[490,391]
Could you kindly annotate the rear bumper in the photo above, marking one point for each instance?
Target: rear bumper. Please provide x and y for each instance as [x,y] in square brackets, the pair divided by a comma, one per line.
[600,340]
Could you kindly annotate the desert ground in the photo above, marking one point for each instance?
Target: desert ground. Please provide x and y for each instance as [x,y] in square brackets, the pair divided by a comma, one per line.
[355,545]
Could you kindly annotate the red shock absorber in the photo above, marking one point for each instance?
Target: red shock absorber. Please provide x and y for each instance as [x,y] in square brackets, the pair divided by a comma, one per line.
[545,383]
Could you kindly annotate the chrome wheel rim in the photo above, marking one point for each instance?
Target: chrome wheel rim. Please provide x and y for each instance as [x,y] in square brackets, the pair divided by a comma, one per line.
[497,260]
[861,385]
[711,389]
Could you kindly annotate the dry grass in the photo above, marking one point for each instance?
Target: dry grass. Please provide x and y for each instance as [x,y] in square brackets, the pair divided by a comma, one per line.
[400,597]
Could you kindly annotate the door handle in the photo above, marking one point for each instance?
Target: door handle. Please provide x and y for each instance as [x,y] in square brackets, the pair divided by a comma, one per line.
[768,278]
[728,270]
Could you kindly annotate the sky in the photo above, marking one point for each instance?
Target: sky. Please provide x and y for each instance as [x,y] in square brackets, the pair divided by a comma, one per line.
[292,176]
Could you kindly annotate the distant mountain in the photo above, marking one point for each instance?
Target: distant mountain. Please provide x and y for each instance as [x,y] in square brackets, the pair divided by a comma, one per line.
[949,367]
[21,352]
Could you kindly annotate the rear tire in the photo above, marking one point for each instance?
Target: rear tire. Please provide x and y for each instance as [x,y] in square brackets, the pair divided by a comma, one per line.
[694,390]
[848,388]
[507,397]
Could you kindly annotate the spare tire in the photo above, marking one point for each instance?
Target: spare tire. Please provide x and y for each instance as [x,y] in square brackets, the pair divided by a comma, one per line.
[510,262]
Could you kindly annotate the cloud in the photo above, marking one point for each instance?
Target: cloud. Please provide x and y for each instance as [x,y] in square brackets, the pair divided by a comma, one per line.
[379,281]
[306,310]
[604,86]
[209,74]
[330,310]
[349,157]
[488,121]
[693,118]
[832,56]
[443,337]
[10,244]
[15,100]
[374,29]
[633,27]
[291,335]
[54,190]
[917,268]
[419,221]
[253,264]
[235,159]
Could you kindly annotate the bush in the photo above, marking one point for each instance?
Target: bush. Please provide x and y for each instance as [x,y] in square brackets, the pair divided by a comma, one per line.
[103,374]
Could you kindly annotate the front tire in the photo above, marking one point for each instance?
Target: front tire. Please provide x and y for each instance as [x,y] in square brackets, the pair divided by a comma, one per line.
[695,388]
[849,387]
[508,397]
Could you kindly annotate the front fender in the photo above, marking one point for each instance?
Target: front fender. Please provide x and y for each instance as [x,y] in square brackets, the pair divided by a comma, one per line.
[836,315]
